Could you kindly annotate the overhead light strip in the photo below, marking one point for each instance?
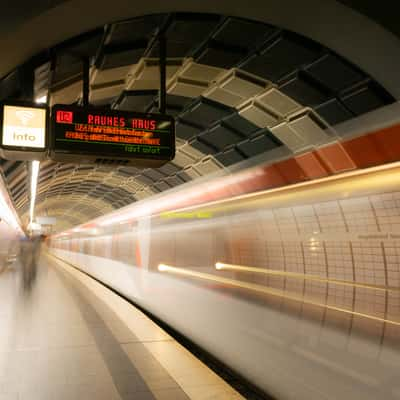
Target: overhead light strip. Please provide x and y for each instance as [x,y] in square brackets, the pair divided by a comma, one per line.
[34,179]
[41,100]
[134,211]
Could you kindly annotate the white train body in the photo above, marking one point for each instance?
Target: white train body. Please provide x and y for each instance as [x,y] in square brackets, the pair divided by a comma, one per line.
[297,289]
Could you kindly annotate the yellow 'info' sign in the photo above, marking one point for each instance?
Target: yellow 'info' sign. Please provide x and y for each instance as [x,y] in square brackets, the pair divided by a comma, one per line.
[24,127]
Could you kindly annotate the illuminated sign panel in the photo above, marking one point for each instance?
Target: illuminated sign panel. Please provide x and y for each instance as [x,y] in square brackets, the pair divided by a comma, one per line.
[95,133]
[24,127]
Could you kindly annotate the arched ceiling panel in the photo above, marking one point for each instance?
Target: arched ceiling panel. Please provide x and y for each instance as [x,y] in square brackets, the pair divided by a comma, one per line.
[330,23]
[238,89]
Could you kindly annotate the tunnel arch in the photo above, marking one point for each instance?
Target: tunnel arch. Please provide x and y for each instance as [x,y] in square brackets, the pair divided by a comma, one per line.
[125,185]
[315,19]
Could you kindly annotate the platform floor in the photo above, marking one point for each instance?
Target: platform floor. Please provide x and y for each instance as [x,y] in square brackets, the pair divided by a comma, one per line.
[72,338]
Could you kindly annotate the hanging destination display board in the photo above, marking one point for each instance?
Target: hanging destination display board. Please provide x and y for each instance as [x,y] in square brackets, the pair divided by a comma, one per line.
[95,135]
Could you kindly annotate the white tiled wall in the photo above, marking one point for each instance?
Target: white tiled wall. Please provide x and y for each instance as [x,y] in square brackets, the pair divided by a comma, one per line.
[294,259]
[340,260]
[356,240]
[306,219]
[324,239]
[330,217]
[392,254]
[387,210]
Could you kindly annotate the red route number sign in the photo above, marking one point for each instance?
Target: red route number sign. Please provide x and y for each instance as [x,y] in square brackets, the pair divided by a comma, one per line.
[65,117]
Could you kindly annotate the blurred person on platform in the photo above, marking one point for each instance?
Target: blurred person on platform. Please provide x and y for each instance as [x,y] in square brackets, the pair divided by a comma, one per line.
[29,254]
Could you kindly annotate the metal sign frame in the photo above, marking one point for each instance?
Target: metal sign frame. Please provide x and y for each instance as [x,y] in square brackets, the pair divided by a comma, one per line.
[86,156]
[24,153]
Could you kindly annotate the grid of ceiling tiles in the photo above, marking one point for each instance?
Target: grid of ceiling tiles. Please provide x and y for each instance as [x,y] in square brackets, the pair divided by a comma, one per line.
[237,89]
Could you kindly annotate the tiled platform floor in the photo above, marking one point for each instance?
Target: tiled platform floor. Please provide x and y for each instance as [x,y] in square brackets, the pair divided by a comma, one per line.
[71,338]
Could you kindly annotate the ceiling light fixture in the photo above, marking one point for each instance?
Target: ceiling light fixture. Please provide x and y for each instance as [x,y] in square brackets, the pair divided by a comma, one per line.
[41,100]
[34,178]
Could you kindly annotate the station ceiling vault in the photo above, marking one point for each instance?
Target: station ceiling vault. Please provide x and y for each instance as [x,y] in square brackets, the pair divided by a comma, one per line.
[239,90]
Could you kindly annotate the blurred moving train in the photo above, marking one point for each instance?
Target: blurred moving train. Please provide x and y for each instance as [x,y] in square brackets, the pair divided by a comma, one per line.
[296,288]
[10,230]
[7,239]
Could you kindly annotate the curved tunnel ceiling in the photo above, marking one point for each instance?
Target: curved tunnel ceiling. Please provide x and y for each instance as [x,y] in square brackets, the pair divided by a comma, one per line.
[351,34]
[384,15]
[236,96]
[14,14]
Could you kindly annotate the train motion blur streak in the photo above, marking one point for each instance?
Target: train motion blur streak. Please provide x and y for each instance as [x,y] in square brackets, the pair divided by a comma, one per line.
[296,288]
[266,290]
[10,229]
[257,270]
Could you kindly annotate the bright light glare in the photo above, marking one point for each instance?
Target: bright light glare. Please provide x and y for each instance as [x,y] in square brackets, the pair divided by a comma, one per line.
[7,214]
[34,226]
[34,179]
[42,99]
[163,267]
[219,265]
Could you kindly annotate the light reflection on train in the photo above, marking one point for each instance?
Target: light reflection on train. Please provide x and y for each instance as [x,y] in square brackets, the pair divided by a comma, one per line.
[10,230]
[297,289]
[8,240]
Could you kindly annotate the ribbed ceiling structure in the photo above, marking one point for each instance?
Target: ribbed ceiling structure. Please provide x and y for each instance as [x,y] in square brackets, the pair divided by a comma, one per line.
[237,88]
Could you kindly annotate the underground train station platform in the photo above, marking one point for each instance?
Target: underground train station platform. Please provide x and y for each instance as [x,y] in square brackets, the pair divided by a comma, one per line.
[214,190]
[70,337]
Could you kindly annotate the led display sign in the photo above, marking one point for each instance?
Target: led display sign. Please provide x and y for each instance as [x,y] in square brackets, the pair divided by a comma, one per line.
[97,135]
[23,132]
